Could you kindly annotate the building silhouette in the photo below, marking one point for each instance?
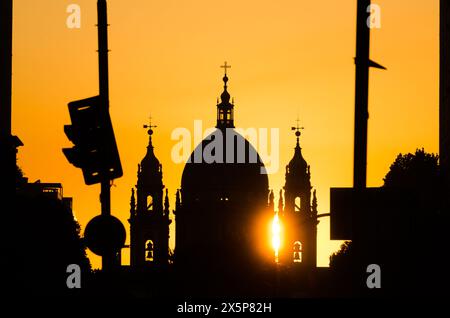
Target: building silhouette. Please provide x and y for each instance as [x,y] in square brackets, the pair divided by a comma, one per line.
[223,216]
[149,216]
[299,215]
[220,203]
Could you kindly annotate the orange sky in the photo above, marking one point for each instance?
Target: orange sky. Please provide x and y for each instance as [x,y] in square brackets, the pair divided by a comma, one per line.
[288,57]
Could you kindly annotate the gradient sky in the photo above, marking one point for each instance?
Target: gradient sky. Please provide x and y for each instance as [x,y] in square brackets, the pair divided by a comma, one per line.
[289,58]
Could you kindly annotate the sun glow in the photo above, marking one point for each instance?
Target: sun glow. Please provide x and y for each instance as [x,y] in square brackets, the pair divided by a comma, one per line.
[276,235]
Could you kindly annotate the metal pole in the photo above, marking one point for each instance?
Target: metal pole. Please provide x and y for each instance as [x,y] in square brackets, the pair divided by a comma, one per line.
[108,261]
[102,19]
[361,95]
[444,100]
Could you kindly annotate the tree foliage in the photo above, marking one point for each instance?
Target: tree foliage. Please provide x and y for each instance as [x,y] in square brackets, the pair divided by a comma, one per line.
[342,258]
[418,170]
[43,239]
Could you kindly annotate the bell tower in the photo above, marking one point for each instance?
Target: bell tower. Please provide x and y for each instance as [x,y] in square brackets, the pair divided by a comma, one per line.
[300,213]
[149,217]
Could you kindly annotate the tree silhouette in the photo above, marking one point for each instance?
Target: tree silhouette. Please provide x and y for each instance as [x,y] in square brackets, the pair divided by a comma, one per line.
[418,170]
[43,239]
[419,175]
[342,265]
[341,258]
[416,174]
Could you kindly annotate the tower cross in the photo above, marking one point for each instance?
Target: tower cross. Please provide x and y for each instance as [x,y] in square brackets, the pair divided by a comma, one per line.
[297,128]
[225,66]
[150,126]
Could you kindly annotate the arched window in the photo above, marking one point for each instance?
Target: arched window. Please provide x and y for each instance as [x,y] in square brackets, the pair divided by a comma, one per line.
[149,251]
[149,203]
[298,252]
[297,204]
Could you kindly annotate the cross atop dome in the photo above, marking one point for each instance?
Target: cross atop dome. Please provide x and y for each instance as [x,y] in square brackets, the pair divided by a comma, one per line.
[225,116]
[225,66]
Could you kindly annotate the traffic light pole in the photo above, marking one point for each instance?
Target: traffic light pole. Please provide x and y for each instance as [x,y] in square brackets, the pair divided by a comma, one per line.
[108,261]
[95,152]
[102,20]
[361,95]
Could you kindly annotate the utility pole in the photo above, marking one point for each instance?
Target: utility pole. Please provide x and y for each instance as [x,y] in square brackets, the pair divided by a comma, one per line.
[361,95]
[363,63]
[444,101]
[108,261]
[95,152]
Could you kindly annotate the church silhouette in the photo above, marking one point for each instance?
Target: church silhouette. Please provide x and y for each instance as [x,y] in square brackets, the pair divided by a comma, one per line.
[223,216]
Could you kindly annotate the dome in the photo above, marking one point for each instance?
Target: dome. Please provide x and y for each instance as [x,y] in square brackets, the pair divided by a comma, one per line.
[227,180]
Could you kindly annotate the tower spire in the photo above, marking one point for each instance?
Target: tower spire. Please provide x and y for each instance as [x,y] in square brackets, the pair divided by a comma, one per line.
[132,203]
[225,95]
[225,66]
[280,203]
[302,232]
[271,197]
[149,232]
[166,203]
[150,171]
[225,116]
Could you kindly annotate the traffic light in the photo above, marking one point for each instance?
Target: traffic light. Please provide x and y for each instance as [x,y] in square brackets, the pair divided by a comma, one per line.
[95,150]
